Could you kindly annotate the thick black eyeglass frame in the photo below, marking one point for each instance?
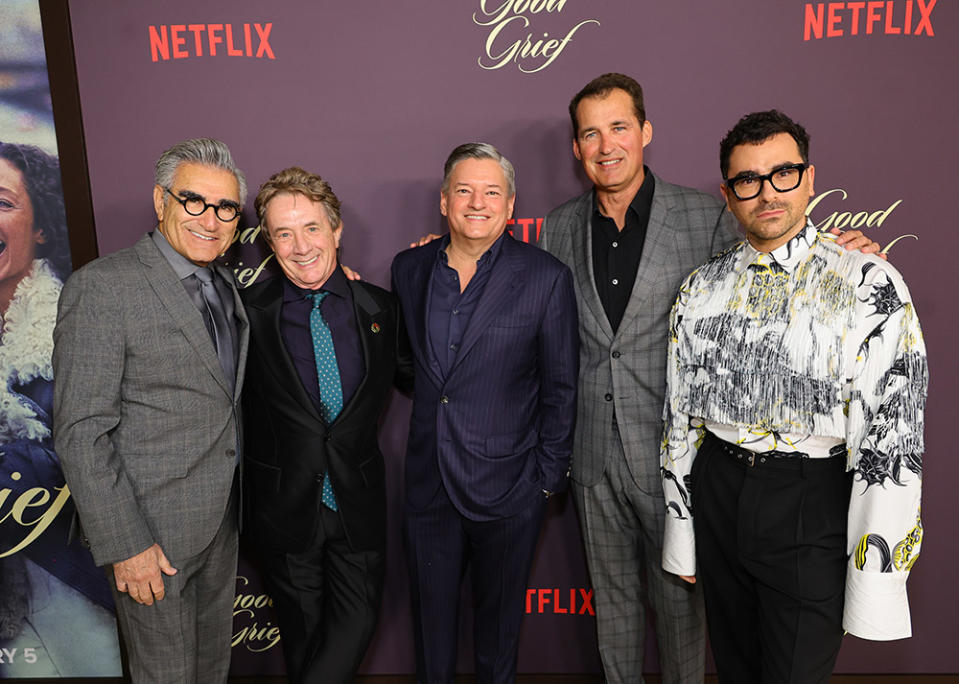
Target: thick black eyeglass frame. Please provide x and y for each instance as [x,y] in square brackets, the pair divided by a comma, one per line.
[206,205]
[730,182]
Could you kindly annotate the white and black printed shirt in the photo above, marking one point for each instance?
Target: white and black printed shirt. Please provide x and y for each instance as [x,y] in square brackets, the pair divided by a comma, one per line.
[816,349]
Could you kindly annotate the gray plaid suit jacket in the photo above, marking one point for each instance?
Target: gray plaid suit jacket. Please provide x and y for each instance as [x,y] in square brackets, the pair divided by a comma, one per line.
[145,423]
[628,371]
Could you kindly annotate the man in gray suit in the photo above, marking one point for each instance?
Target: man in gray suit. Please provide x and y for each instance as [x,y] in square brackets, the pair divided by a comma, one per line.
[150,346]
[630,241]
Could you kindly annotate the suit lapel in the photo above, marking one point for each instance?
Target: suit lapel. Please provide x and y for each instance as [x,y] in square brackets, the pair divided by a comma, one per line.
[176,300]
[264,313]
[658,250]
[507,275]
[420,279]
[583,265]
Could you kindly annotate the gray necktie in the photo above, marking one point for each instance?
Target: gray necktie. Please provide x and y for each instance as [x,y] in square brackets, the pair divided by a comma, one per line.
[222,335]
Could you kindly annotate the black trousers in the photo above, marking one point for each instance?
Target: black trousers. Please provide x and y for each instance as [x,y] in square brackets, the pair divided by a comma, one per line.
[327,600]
[771,547]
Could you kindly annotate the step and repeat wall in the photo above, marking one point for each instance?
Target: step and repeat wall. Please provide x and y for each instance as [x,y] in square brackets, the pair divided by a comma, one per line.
[373,96]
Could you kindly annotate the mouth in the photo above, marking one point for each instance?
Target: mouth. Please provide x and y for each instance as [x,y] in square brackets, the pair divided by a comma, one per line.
[206,238]
[307,262]
[476,217]
[607,163]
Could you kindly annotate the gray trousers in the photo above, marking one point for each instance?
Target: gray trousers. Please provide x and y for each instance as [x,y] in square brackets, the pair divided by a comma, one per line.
[186,637]
[622,528]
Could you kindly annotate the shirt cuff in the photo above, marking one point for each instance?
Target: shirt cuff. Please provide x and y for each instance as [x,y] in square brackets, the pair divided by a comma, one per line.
[679,547]
[877,607]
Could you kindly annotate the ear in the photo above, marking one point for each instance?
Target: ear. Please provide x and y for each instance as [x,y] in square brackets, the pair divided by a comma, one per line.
[337,232]
[443,203]
[509,207]
[647,133]
[726,194]
[811,172]
[576,152]
[40,237]
[158,201]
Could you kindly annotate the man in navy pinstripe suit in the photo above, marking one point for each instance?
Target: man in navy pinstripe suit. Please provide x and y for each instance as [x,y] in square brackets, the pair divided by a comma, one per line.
[493,327]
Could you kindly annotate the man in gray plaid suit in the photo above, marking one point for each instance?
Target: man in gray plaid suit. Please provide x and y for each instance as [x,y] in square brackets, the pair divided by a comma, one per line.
[630,241]
[150,347]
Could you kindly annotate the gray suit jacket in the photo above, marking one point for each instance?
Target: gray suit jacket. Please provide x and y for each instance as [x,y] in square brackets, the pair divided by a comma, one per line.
[145,423]
[628,371]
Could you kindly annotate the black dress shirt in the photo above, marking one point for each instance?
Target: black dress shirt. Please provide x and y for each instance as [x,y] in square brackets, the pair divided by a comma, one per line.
[337,310]
[616,253]
[450,310]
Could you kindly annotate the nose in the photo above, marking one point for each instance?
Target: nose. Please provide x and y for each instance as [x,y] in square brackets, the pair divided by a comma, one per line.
[605,143]
[476,200]
[300,245]
[209,220]
[766,191]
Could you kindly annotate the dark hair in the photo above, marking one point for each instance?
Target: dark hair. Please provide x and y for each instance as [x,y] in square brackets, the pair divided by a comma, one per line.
[758,127]
[295,180]
[41,177]
[601,86]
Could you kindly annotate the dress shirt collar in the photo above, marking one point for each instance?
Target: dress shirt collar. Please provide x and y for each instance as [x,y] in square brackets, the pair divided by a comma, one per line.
[336,285]
[182,266]
[488,257]
[642,201]
[786,256]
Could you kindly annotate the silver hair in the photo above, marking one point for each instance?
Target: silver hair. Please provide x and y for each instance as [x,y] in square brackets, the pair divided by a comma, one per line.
[478,150]
[206,151]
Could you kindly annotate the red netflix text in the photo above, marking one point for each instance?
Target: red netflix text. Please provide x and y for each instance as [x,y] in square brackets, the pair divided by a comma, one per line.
[574,601]
[525,229]
[178,41]
[868,17]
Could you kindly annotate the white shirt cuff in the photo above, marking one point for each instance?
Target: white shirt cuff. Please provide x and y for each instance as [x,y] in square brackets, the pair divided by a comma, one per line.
[877,607]
[679,547]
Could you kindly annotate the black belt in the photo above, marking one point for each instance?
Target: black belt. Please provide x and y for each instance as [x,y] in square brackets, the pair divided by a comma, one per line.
[752,459]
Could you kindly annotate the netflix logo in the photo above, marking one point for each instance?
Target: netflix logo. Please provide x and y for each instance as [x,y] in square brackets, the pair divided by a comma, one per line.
[179,41]
[525,229]
[574,601]
[868,17]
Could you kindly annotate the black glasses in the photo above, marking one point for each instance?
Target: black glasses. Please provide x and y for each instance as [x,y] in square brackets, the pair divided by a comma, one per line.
[195,205]
[783,179]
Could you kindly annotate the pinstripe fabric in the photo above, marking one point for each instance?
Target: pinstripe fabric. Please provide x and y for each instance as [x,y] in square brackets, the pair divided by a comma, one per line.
[627,373]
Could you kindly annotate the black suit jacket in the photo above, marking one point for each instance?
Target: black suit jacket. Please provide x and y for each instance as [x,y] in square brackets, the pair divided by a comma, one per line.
[287,446]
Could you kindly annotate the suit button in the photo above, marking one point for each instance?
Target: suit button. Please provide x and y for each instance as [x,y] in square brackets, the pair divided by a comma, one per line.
[608,397]
[319,478]
[444,399]
[231,453]
[616,354]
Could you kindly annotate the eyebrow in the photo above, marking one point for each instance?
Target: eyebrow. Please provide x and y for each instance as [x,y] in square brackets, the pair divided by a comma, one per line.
[189,194]
[777,167]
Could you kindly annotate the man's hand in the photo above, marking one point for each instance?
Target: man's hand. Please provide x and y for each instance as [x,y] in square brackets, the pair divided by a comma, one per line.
[140,576]
[854,239]
[350,273]
[425,239]
[688,578]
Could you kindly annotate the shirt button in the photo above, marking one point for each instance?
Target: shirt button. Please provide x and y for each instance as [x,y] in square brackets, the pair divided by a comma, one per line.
[615,244]
[453,347]
[616,354]
[455,311]
[231,453]
[608,397]
[615,281]
[444,399]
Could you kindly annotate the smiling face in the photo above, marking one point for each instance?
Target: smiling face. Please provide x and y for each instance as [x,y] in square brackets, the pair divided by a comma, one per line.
[203,238]
[610,142]
[18,239]
[772,218]
[477,204]
[302,238]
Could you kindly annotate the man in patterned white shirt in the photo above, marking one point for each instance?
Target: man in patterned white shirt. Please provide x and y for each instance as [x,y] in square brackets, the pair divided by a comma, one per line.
[792,453]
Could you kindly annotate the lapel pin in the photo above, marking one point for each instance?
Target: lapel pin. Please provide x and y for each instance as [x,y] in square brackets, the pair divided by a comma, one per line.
[375,328]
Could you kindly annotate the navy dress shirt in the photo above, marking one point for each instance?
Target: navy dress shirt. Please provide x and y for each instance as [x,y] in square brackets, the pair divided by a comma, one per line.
[450,310]
[337,310]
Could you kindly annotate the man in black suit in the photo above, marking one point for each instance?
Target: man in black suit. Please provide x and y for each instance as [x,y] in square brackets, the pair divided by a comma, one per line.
[324,353]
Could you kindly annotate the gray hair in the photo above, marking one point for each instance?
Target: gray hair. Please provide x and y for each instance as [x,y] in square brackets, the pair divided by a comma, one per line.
[206,151]
[478,150]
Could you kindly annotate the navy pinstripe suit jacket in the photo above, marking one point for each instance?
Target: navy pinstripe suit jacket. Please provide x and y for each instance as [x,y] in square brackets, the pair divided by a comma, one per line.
[498,428]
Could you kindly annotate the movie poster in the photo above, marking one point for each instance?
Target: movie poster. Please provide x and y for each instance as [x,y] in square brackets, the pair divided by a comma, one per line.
[56,613]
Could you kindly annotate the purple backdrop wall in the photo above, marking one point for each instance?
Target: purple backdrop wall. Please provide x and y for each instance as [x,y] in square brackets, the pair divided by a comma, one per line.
[373,95]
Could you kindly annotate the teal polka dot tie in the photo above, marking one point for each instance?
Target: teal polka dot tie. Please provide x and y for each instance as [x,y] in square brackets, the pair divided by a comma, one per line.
[328,378]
